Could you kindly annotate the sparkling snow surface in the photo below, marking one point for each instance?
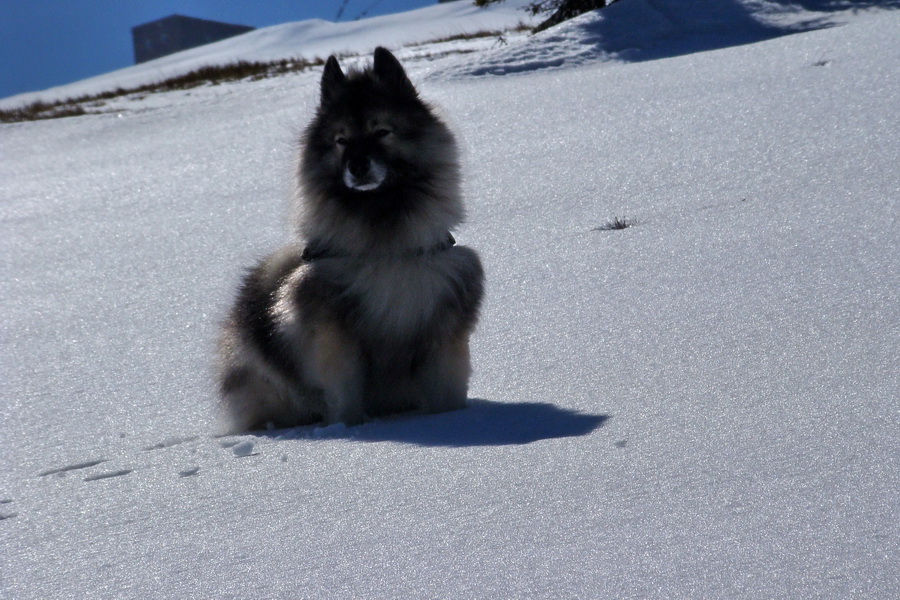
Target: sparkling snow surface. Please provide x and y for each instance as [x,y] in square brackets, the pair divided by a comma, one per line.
[309,40]
[705,404]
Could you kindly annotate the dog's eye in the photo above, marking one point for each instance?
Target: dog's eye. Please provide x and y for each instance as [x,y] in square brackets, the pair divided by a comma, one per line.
[382,133]
[340,140]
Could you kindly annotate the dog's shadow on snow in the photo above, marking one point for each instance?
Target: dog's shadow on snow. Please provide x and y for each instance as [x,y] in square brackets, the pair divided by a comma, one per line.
[481,423]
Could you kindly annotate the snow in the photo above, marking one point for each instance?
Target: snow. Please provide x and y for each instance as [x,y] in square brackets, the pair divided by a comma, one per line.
[243,448]
[308,40]
[648,29]
[702,405]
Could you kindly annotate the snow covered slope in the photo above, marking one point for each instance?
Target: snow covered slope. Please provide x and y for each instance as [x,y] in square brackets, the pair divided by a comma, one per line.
[305,39]
[637,30]
[703,405]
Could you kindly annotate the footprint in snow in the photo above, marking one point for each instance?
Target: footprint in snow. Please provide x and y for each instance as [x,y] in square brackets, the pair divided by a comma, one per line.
[5,515]
[61,471]
[175,441]
[109,475]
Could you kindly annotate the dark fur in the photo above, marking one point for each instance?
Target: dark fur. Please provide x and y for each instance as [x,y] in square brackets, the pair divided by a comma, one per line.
[375,317]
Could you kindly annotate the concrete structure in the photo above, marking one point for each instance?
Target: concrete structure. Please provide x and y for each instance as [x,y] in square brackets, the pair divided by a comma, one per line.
[175,33]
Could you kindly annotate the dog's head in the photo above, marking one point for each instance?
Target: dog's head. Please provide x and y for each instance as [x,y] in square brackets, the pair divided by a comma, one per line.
[376,154]
[368,111]
[371,128]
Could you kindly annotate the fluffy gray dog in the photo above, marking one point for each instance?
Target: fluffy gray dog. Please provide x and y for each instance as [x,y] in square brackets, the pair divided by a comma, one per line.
[370,312]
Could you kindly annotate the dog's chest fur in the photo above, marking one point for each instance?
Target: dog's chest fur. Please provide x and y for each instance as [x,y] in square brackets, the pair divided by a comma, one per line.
[393,297]
[397,297]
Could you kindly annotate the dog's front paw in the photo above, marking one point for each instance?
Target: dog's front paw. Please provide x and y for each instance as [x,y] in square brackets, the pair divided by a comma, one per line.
[445,402]
[347,414]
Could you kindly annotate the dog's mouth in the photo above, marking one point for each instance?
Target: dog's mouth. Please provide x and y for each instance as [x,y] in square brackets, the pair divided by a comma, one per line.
[364,175]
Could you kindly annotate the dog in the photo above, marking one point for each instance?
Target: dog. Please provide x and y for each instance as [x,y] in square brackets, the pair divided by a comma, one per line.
[368,312]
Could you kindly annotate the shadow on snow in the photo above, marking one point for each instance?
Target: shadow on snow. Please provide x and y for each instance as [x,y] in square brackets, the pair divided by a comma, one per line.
[482,423]
[654,29]
[643,30]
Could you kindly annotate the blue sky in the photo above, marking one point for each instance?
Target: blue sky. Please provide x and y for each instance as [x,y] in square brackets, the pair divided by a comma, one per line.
[44,43]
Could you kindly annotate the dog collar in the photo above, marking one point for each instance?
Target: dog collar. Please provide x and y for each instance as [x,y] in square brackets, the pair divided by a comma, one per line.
[317,251]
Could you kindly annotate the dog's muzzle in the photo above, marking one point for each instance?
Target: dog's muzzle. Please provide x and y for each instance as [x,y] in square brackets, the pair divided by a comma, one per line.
[364,174]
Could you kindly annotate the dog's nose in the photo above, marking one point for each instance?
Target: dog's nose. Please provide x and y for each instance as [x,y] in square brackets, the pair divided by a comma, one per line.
[358,165]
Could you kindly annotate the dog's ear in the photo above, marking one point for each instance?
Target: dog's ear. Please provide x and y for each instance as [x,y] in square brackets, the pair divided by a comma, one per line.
[332,80]
[388,70]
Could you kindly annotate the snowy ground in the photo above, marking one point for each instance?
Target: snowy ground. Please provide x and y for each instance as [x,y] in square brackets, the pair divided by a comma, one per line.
[307,40]
[703,405]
